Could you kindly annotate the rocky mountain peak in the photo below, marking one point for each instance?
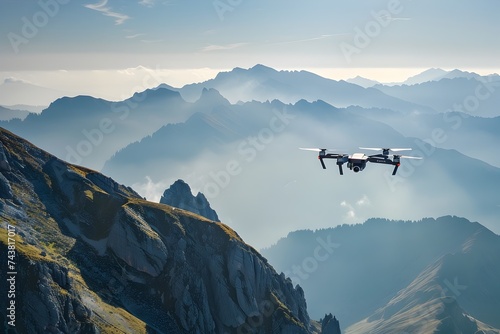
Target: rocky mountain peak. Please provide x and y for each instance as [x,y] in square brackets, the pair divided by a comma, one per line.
[180,196]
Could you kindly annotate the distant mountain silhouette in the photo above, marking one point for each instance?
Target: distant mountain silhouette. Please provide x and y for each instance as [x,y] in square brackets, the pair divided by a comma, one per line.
[87,130]
[7,114]
[263,83]
[399,276]
[431,74]
[436,74]
[13,91]
[363,82]
[26,107]
[468,95]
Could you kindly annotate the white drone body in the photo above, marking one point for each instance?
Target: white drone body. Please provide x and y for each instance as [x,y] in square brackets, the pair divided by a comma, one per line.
[357,161]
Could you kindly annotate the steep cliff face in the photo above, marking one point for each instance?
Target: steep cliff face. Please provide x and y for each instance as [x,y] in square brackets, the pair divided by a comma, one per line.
[92,255]
[179,195]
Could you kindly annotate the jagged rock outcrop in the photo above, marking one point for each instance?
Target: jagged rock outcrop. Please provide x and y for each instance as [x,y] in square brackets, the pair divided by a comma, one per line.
[93,256]
[179,195]
[330,325]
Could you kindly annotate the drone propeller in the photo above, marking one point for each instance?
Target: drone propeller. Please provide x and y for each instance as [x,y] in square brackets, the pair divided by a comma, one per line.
[317,149]
[324,155]
[408,157]
[385,149]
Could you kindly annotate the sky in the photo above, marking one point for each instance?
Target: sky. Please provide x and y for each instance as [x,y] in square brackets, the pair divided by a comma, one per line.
[109,47]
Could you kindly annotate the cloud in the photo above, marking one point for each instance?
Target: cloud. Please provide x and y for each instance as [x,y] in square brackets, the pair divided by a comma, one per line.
[317,38]
[350,209]
[134,36]
[12,80]
[134,70]
[150,190]
[147,3]
[364,201]
[222,47]
[101,7]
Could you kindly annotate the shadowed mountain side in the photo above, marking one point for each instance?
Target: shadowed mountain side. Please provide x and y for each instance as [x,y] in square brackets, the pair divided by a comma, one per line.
[92,256]
[360,268]
[448,296]
[86,130]
[263,83]
[472,96]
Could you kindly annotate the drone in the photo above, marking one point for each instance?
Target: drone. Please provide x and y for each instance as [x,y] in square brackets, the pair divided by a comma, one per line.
[357,161]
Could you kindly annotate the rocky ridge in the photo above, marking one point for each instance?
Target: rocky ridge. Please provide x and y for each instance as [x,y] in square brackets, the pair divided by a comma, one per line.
[93,256]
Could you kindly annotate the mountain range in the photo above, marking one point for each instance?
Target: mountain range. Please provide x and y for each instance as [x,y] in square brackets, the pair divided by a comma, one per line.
[428,276]
[262,83]
[234,148]
[220,146]
[107,259]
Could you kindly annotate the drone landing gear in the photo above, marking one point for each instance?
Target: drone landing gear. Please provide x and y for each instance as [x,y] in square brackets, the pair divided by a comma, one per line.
[322,162]
[395,168]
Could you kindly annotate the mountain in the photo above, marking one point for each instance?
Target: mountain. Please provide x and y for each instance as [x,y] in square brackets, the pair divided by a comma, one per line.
[90,255]
[363,82]
[14,91]
[26,107]
[431,74]
[476,97]
[87,130]
[428,276]
[179,195]
[262,83]
[436,74]
[6,114]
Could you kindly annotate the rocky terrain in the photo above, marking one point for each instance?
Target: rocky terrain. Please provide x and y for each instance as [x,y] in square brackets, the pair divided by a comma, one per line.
[93,256]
